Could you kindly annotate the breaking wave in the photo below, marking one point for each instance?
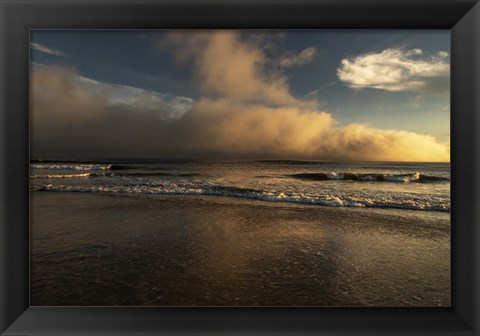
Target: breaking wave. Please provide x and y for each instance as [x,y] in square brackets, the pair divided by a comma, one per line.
[387,201]
[91,175]
[60,176]
[404,178]
[72,166]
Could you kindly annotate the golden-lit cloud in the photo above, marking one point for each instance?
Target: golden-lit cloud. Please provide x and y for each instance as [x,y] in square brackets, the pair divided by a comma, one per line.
[246,110]
[360,142]
[225,126]
[228,66]
[57,98]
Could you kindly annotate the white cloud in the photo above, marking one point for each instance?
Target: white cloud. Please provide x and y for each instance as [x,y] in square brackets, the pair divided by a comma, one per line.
[166,106]
[414,52]
[303,57]
[443,54]
[397,70]
[47,50]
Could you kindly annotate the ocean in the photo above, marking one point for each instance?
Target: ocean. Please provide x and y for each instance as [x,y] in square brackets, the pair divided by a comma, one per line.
[240,233]
[409,186]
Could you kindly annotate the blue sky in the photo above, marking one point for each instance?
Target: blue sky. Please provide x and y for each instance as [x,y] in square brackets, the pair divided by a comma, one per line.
[380,83]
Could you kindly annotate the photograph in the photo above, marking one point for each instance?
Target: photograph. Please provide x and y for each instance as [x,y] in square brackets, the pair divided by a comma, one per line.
[246,168]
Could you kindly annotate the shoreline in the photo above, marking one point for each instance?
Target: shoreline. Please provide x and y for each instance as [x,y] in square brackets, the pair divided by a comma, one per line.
[259,201]
[173,250]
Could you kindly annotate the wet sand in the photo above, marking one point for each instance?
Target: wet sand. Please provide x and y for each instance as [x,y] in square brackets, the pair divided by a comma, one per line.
[91,249]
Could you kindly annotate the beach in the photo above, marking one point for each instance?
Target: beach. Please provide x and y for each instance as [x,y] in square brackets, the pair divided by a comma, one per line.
[94,249]
[240,168]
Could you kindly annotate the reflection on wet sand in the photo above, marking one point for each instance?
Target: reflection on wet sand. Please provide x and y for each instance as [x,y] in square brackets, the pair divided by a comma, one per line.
[207,251]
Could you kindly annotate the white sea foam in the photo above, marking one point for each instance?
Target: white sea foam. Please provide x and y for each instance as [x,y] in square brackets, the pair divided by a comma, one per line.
[403,178]
[60,176]
[416,186]
[386,201]
[67,166]
[335,176]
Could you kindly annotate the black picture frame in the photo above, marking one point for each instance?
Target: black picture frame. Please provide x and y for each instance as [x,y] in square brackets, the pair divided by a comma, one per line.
[18,17]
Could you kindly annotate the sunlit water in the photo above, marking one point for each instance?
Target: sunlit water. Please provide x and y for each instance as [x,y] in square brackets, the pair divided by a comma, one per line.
[183,233]
[414,186]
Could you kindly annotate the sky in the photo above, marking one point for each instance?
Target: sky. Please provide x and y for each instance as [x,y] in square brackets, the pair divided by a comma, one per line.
[317,94]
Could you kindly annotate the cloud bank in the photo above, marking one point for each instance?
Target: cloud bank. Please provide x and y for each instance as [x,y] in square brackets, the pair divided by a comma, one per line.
[246,110]
[397,70]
